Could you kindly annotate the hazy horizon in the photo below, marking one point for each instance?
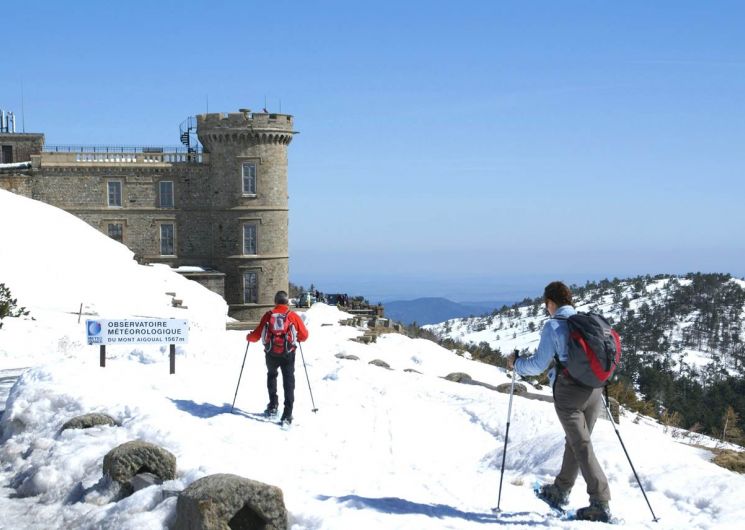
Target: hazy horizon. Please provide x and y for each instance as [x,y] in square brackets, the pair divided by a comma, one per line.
[462,290]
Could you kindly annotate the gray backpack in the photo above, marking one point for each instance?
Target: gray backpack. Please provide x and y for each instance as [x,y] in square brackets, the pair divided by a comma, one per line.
[594,350]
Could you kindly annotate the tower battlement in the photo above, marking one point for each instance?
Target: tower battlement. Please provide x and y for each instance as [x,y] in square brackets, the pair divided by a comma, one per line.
[244,127]
[245,119]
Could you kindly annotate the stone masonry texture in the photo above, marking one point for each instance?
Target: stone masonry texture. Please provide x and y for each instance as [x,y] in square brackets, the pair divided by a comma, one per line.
[209,208]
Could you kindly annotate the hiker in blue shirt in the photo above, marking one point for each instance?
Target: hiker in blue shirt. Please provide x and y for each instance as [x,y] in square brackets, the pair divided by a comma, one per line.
[577,407]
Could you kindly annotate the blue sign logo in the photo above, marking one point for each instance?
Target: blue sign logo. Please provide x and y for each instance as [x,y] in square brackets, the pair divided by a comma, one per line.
[94,327]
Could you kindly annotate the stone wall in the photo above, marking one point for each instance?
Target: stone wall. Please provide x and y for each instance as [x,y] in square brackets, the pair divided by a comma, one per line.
[23,145]
[83,191]
[16,182]
[231,141]
[212,280]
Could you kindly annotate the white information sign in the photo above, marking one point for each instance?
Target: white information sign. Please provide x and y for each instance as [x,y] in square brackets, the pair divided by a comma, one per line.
[137,331]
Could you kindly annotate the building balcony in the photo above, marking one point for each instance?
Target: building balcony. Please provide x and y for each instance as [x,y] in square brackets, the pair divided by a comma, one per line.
[57,155]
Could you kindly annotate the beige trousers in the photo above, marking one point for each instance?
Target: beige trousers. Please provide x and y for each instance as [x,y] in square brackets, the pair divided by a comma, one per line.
[577,408]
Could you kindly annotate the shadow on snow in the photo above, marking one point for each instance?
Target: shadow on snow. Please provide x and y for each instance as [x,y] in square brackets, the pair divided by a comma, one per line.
[397,506]
[208,410]
[201,410]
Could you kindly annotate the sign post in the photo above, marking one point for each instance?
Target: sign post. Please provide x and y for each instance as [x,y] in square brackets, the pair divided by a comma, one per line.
[138,331]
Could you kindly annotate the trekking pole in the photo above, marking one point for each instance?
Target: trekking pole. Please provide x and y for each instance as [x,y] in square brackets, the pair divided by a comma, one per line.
[506,437]
[307,378]
[239,378]
[610,417]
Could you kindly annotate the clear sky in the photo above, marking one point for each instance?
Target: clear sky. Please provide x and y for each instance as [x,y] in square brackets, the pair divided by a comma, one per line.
[467,149]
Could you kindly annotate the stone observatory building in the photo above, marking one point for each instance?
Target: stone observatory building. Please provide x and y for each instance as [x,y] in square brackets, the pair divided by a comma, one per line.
[218,214]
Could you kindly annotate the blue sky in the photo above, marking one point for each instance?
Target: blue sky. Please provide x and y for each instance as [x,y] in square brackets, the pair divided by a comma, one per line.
[461,149]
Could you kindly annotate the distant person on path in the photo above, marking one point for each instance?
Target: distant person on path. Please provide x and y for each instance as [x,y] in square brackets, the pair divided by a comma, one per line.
[280,330]
[577,407]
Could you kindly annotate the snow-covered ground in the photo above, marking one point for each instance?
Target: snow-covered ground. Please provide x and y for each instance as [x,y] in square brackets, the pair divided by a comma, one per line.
[388,449]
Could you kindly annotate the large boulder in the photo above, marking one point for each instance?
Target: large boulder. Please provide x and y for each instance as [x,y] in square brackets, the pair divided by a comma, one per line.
[86,421]
[382,364]
[133,458]
[520,389]
[459,377]
[229,502]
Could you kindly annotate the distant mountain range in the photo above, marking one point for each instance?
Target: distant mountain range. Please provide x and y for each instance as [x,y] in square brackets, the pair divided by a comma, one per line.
[436,310]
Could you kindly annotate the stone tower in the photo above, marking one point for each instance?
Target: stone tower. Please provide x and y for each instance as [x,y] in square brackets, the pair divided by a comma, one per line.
[248,205]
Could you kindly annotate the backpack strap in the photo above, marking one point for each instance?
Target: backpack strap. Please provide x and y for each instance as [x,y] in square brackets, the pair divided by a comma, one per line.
[265,332]
[560,368]
[290,329]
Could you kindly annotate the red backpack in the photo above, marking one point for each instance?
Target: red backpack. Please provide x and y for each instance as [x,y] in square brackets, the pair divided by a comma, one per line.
[594,349]
[279,334]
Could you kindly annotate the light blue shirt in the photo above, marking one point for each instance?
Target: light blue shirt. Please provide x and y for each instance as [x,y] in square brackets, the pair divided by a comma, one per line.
[554,341]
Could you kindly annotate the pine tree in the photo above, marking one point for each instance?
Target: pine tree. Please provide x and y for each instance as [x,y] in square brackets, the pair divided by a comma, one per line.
[8,305]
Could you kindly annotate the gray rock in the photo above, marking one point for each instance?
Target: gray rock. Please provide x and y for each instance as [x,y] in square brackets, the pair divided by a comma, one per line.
[459,377]
[347,356]
[144,480]
[411,370]
[86,421]
[225,501]
[132,458]
[520,389]
[382,364]
[167,493]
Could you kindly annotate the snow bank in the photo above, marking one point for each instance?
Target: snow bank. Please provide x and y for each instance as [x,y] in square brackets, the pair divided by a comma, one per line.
[54,262]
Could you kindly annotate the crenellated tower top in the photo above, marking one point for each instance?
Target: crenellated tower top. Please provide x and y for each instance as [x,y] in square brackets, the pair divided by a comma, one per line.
[244,127]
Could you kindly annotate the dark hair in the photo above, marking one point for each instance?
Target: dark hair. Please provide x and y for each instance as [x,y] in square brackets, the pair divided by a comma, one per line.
[281,298]
[558,293]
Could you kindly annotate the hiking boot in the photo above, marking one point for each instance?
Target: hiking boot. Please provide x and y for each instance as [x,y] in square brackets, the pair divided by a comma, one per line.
[271,410]
[596,511]
[553,495]
[286,416]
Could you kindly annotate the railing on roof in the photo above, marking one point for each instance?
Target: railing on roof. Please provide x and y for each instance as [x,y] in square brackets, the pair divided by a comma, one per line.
[125,154]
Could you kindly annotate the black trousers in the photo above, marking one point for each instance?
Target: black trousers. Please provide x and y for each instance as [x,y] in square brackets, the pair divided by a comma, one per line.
[286,363]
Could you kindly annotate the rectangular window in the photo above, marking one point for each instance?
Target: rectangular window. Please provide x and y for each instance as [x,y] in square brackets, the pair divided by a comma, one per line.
[115,193]
[116,232]
[250,288]
[166,240]
[6,155]
[249,178]
[166,194]
[249,239]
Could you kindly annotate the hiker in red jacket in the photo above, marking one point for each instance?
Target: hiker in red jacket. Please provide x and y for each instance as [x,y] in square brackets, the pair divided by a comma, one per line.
[280,330]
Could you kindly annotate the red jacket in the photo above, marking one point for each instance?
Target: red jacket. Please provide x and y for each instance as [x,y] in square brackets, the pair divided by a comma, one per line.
[302,331]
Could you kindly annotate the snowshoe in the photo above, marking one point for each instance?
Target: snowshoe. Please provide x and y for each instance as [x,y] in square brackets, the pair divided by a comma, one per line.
[552,495]
[598,511]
